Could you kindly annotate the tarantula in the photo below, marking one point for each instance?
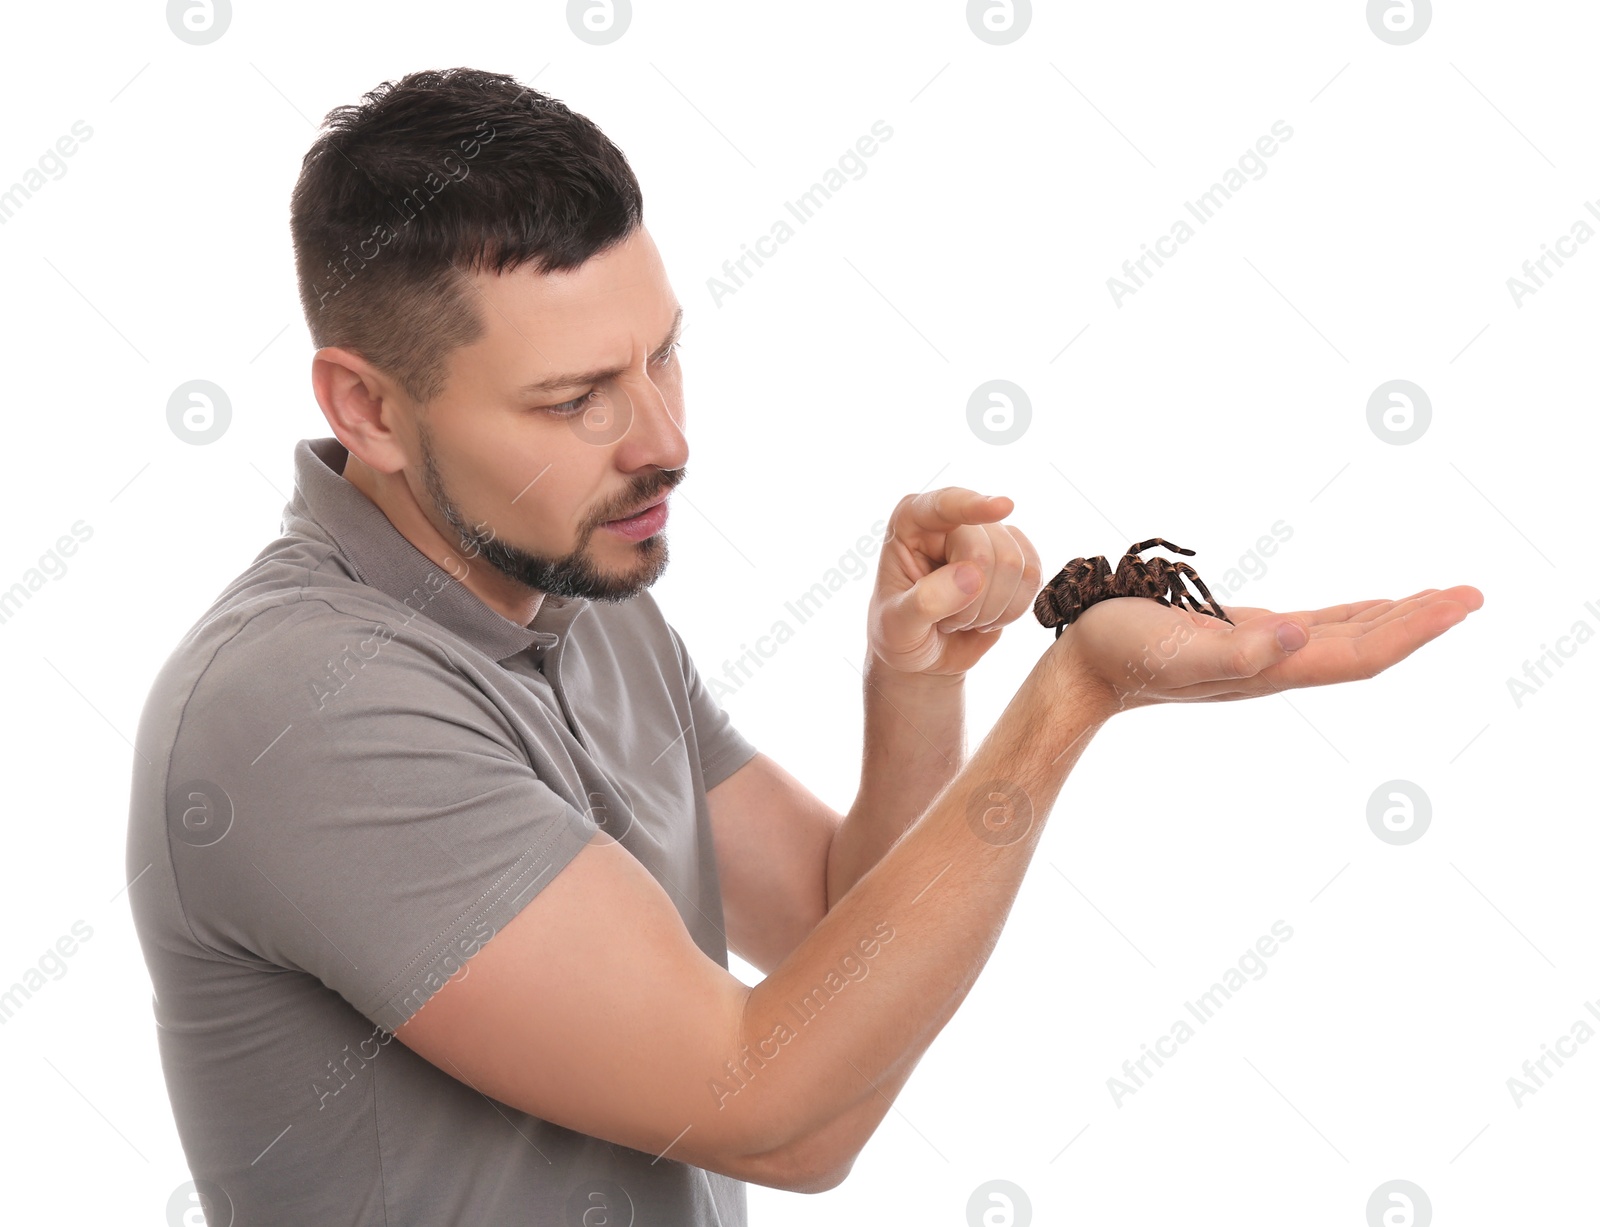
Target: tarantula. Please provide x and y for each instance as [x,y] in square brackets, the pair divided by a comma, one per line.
[1085,581]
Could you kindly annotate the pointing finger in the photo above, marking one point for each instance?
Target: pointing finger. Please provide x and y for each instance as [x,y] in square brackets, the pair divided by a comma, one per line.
[948,508]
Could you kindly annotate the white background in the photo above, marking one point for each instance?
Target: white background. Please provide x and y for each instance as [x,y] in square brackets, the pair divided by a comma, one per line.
[1227,394]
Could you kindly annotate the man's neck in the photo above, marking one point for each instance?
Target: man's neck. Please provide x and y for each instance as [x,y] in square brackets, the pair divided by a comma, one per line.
[392,496]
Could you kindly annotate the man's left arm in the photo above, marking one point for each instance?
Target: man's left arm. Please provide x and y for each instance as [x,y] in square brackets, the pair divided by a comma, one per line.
[784,857]
[914,742]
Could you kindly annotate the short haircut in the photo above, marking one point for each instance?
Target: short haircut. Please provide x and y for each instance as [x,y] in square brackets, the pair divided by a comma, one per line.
[442,173]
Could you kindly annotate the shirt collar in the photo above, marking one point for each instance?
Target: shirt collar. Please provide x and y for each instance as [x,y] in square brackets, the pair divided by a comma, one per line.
[383,558]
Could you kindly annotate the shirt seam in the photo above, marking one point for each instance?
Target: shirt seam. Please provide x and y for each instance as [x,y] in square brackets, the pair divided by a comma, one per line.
[297,596]
[730,753]
[477,910]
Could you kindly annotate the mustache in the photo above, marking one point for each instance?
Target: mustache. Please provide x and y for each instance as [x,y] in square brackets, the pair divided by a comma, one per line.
[670,479]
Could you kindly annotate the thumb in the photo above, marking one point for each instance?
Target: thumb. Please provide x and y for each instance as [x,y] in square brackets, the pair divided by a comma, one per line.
[1263,646]
[939,594]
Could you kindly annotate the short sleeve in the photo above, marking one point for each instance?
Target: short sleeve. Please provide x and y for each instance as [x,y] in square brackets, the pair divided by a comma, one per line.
[723,748]
[375,835]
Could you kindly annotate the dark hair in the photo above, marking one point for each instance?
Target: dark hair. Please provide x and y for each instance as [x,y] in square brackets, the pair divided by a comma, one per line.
[442,173]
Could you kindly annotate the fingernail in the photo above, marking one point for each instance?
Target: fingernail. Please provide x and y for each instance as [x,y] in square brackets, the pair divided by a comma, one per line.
[968,580]
[1292,636]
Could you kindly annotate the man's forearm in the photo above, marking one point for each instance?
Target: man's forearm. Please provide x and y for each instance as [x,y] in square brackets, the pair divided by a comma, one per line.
[861,998]
[849,1131]
[914,741]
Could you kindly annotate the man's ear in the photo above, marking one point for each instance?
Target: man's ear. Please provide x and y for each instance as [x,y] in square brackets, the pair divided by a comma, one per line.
[359,402]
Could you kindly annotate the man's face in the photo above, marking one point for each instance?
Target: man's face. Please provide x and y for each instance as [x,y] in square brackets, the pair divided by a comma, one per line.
[524,480]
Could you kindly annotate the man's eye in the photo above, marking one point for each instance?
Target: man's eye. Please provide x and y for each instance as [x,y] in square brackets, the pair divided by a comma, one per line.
[570,408]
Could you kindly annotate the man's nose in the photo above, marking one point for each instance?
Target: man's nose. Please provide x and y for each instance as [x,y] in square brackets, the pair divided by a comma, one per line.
[652,435]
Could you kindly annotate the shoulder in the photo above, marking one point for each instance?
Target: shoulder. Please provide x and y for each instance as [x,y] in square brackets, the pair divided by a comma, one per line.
[287,646]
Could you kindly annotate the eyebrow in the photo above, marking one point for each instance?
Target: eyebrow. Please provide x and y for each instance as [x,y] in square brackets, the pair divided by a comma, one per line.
[572,381]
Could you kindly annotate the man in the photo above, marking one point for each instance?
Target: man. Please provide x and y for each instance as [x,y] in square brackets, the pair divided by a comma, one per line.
[436,769]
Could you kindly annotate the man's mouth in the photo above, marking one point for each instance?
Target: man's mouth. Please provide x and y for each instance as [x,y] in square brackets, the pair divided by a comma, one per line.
[640,510]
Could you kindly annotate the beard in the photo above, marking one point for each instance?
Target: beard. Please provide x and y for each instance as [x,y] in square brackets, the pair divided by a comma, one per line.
[573,575]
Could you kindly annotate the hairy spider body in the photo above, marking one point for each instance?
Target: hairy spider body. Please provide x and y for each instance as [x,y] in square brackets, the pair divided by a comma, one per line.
[1086,581]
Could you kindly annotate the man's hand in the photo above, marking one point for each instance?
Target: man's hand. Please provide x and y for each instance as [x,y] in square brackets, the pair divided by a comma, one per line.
[1142,652]
[949,577]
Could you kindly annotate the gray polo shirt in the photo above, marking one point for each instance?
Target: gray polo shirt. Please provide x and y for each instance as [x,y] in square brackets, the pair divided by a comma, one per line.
[351,773]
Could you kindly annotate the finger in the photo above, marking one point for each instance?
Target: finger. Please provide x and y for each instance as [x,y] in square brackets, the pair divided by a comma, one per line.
[970,545]
[1262,644]
[1004,562]
[1031,563]
[1462,594]
[1330,659]
[1326,621]
[1387,611]
[1358,613]
[935,596]
[1393,641]
[1333,613]
[946,509]
[1366,610]
[1314,617]
[1029,577]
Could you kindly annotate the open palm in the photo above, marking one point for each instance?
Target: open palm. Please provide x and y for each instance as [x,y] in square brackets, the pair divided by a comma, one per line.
[1146,652]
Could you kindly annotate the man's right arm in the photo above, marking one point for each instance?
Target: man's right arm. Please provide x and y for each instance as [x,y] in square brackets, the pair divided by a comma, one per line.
[595,1010]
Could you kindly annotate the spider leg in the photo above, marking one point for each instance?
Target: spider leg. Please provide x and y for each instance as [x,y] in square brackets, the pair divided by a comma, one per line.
[1045,607]
[1165,578]
[1101,584]
[1142,546]
[1133,577]
[1149,581]
[1058,606]
[1104,583]
[1215,610]
[1059,602]
[1181,598]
